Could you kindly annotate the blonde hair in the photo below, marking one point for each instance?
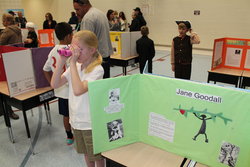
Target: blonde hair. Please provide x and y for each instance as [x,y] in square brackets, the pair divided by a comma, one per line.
[9,18]
[90,39]
[182,26]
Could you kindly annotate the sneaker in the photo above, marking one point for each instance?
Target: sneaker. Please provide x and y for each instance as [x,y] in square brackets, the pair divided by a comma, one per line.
[13,116]
[70,141]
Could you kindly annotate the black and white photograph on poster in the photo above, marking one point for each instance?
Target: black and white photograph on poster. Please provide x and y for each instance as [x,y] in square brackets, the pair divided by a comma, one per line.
[115,130]
[229,154]
[114,98]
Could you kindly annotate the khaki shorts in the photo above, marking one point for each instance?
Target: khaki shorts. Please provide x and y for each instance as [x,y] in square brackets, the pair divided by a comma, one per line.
[84,144]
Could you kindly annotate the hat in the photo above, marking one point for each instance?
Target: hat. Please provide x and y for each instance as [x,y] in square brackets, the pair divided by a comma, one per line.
[30,25]
[137,9]
[187,23]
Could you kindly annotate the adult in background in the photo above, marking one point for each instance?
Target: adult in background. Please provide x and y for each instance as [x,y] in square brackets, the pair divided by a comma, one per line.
[140,17]
[20,20]
[73,19]
[135,24]
[114,24]
[49,23]
[10,35]
[95,20]
[123,21]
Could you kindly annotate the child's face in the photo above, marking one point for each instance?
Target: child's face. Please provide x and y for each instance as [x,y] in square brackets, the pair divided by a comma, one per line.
[85,51]
[183,31]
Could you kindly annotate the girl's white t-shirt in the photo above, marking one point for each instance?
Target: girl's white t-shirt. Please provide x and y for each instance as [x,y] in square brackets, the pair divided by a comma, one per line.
[79,112]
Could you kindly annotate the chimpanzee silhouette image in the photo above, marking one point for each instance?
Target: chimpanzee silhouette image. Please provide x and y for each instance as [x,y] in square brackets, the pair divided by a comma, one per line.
[202,130]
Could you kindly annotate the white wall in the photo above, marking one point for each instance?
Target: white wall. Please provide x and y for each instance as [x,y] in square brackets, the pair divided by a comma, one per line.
[219,18]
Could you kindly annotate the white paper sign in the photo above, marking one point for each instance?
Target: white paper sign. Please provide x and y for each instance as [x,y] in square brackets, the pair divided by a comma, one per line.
[247,62]
[44,38]
[19,71]
[160,127]
[233,57]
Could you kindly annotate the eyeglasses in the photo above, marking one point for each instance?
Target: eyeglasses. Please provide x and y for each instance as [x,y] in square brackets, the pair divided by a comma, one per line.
[79,1]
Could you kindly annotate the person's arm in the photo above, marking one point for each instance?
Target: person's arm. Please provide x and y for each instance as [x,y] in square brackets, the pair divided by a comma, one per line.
[137,47]
[48,75]
[172,57]
[79,87]
[58,79]
[44,25]
[195,39]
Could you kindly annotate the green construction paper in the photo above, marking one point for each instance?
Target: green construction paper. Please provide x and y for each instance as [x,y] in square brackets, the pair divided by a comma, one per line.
[145,94]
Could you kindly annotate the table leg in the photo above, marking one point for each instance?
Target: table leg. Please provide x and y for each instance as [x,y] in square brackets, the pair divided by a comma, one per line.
[6,119]
[124,70]
[46,113]
[49,115]
[26,124]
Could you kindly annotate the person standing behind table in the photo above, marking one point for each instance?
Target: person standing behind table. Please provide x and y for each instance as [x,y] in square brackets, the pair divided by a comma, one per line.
[181,51]
[95,20]
[140,17]
[31,41]
[135,24]
[64,34]
[20,20]
[146,50]
[73,19]
[49,23]
[114,24]
[123,21]
[10,35]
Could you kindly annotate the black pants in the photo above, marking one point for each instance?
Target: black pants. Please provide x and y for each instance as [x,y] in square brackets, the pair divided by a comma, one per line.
[106,67]
[143,63]
[183,71]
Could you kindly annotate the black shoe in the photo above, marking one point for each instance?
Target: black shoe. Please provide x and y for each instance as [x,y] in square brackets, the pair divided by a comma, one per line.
[13,116]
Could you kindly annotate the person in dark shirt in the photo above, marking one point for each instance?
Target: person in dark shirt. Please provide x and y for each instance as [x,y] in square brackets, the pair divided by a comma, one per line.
[49,23]
[146,50]
[140,17]
[31,41]
[135,24]
[20,20]
[181,51]
[73,19]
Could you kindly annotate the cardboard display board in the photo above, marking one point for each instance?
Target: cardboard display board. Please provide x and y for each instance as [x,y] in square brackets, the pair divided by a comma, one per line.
[47,38]
[19,70]
[22,68]
[6,49]
[124,43]
[231,53]
[199,121]
[39,58]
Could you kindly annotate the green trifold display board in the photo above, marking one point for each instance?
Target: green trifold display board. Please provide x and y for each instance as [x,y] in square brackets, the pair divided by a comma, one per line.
[202,122]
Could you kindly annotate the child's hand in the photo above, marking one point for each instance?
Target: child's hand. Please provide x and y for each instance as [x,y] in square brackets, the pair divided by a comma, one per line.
[173,67]
[75,53]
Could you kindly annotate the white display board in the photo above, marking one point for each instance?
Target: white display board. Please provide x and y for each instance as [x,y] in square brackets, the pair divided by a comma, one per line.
[218,53]
[125,44]
[19,71]
[134,36]
[247,62]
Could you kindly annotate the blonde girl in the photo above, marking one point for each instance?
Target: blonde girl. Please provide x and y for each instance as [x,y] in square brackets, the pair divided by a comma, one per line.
[85,66]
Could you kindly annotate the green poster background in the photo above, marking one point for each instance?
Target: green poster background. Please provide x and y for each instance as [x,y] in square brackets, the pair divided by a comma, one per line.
[145,94]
